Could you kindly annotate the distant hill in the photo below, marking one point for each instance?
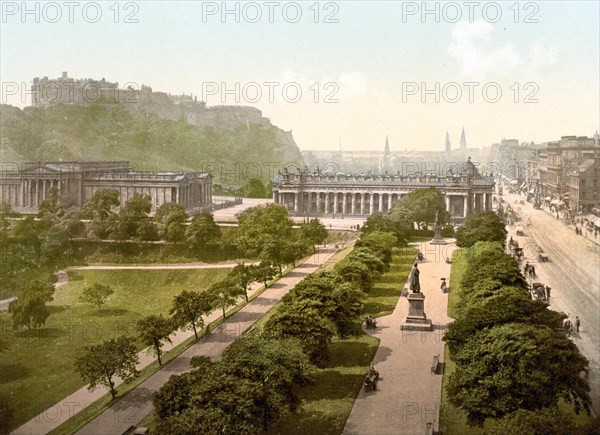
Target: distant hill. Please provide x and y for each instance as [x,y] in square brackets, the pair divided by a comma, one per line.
[233,152]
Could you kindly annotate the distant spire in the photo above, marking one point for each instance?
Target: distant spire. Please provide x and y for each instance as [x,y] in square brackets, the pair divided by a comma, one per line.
[463,140]
[386,152]
[448,146]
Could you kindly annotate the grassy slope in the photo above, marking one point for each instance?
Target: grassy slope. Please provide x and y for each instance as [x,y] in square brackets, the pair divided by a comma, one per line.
[37,369]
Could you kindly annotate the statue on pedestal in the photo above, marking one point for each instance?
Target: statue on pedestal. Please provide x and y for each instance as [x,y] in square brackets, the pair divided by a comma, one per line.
[415,284]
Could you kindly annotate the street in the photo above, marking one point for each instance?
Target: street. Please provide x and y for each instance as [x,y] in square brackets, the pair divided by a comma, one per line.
[572,272]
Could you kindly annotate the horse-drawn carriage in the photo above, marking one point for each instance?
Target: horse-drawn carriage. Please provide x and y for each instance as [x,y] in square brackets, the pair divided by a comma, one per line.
[520,231]
[540,292]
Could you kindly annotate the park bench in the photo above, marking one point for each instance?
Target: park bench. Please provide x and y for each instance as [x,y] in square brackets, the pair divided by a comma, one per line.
[434,363]
[371,381]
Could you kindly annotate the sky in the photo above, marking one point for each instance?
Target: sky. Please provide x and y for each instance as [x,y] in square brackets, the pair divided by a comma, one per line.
[336,74]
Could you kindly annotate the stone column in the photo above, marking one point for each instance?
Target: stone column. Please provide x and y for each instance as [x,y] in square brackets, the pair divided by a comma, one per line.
[318,202]
[344,203]
[390,205]
[276,197]
[362,203]
[335,202]
[353,203]
[371,203]
[447,200]
[465,205]
[295,203]
[380,195]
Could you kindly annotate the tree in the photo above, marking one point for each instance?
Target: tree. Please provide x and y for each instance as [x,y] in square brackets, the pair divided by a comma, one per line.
[188,309]
[99,364]
[368,258]
[539,422]
[293,251]
[99,210]
[202,231]
[393,222]
[276,365]
[516,366]
[379,242]
[260,225]
[421,206]
[480,227]
[301,319]
[314,232]
[244,275]
[254,188]
[29,309]
[133,216]
[96,294]
[225,293]
[154,330]
[504,305]
[338,301]
[170,218]
[356,272]
[265,272]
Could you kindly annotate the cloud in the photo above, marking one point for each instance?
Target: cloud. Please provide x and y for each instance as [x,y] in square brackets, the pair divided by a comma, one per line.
[472,44]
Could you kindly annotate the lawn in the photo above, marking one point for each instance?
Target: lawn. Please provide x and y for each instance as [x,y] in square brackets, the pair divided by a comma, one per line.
[37,369]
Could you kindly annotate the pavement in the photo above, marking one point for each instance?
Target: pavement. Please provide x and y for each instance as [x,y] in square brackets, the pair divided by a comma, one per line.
[137,404]
[573,275]
[408,395]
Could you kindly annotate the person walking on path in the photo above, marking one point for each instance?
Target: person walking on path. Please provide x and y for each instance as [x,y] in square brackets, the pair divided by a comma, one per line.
[577,323]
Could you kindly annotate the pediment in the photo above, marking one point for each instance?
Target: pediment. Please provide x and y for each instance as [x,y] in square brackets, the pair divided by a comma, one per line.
[41,170]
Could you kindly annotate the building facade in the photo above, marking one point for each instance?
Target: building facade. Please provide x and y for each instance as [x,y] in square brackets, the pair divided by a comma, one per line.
[306,193]
[24,186]
[584,187]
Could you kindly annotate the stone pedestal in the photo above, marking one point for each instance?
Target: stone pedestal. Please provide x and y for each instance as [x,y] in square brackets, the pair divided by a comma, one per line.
[437,236]
[417,319]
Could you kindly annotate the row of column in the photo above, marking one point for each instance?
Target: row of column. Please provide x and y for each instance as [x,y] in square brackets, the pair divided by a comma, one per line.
[33,192]
[366,203]
[355,203]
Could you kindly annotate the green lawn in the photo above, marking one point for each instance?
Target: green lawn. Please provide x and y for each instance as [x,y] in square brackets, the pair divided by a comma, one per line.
[37,369]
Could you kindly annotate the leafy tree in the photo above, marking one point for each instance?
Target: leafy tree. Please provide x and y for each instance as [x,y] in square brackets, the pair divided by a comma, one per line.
[273,252]
[50,209]
[505,305]
[314,232]
[96,294]
[170,218]
[188,309]
[516,366]
[340,302]
[293,251]
[244,275]
[225,293]
[174,396]
[391,222]
[355,272]
[202,231]
[6,214]
[99,364]
[369,259]
[99,210]
[254,188]
[421,205]
[479,227]
[539,422]
[153,331]
[301,319]
[276,365]
[379,242]
[265,272]
[260,226]
[133,216]
[29,309]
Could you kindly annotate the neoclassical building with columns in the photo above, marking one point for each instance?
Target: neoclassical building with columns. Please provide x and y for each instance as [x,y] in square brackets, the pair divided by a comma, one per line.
[25,185]
[306,193]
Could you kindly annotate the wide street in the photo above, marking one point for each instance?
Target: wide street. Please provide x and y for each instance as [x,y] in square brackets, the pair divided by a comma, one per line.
[572,273]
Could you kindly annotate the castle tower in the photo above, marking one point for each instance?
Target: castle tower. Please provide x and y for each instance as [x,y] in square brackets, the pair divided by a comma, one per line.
[448,146]
[463,141]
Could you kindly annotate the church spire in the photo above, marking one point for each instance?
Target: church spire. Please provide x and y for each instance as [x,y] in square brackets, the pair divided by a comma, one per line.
[448,146]
[463,140]
[386,151]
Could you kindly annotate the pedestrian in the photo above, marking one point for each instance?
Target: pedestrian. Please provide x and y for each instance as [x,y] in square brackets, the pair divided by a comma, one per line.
[547,293]
[577,323]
